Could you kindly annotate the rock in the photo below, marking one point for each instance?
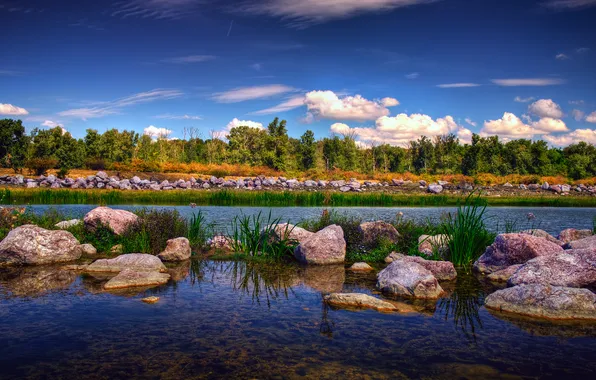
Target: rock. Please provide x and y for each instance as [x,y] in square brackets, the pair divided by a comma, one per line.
[361,267]
[88,250]
[575,268]
[544,301]
[131,278]
[31,185]
[68,223]
[571,234]
[150,300]
[102,175]
[358,301]
[33,245]
[324,247]
[503,275]
[117,249]
[442,270]
[291,232]
[117,220]
[372,232]
[589,242]
[345,189]
[136,261]
[443,183]
[565,188]
[507,185]
[511,249]
[410,279]
[545,186]
[435,189]
[176,250]
[220,242]
[543,234]
[422,183]
[429,244]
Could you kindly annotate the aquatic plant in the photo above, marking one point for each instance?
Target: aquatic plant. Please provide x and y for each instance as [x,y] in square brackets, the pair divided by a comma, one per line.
[199,231]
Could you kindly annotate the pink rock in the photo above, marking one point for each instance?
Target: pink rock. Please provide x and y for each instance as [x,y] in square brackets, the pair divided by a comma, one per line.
[291,232]
[324,247]
[511,249]
[176,250]
[139,262]
[117,220]
[503,275]
[372,232]
[409,279]
[589,242]
[442,270]
[571,234]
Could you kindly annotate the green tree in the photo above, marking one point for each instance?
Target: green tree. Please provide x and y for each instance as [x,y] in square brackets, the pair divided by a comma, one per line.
[308,150]
[14,144]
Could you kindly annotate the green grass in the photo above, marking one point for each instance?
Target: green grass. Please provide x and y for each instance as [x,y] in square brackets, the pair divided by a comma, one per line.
[268,198]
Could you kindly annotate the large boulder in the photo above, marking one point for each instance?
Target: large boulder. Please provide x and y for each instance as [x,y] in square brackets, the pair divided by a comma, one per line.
[543,234]
[409,279]
[324,247]
[139,262]
[428,244]
[544,301]
[504,275]
[373,231]
[571,234]
[574,268]
[358,301]
[33,245]
[514,248]
[290,232]
[442,270]
[589,242]
[130,278]
[176,250]
[117,220]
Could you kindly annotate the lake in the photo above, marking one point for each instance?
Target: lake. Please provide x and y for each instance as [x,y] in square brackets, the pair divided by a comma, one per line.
[238,320]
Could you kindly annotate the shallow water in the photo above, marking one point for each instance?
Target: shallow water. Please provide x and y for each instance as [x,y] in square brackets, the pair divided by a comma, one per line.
[238,320]
[550,219]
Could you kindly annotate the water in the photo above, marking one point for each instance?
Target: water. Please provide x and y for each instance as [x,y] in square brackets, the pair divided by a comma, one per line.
[550,219]
[238,320]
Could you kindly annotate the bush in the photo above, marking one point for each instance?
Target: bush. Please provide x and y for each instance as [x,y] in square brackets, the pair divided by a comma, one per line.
[95,164]
[40,166]
[102,237]
[62,173]
[152,231]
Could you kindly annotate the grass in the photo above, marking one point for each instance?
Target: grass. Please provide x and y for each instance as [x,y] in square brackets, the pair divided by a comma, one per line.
[269,198]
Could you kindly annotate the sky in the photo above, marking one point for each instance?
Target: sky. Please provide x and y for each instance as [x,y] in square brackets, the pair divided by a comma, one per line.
[384,71]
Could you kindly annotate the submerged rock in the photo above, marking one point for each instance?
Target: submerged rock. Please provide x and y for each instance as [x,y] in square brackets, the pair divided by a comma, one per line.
[410,279]
[363,267]
[176,250]
[150,300]
[574,268]
[358,301]
[589,242]
[33,245]
[503,275]
[135,261]
[442,270]
[372,232]
[571,234]
[511,249]
[324,247]
[544,301]
[117,220]
[130,278]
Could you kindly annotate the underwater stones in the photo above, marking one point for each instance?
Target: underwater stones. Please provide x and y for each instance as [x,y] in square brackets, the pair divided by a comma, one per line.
[571,268]
[131,278]
[589,242]
[571,234]
[514,248]
[372,232]
[33,245]
[324,247]
[544,301]
[68,223]
[503,275]
[358,301]
[150,300]
[176,250]
[291,232]
[442,270]
[117,220]
[409,279]
[135,261]
[361,267]
[427,244]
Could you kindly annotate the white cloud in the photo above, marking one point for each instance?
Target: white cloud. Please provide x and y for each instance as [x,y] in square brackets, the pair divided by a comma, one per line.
[113,107]
[49,124]
[469,121]
[528,82]
[586,135]
[401,129]
[561,57]
[156,133]
[549,125]
[582,50]
[591,118]
[242,94]
[307,12]
[578,115]
[519,99]
[9,109]
[156,9]
[546,108]
[458,85]
[512,127]
[190,59]
[178,117]
[412,75]
[256,66]
[328,105]
[576,102]
[243,123]
[290,104]
[569,4]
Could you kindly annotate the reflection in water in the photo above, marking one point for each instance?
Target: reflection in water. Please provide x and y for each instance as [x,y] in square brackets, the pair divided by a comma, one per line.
[35,281]
[326,327]
[537,327]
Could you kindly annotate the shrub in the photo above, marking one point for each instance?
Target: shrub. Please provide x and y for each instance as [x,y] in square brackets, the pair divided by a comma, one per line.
[40,166]
[62,173]
[95,163]
[102,237]
[152,231]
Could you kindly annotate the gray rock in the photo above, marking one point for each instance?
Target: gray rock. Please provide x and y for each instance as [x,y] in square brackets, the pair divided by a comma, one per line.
[291,232]
[545,186]
[31,185]
[435,189]
[117,220]
[358,301]
[324,247]
[565,188]
[442,270]
[88,250]
[504,275]
[176,250]
[129,278]
[101,175]
[409,279]
[345,189]
[68,223]
[372,232]
[139,262]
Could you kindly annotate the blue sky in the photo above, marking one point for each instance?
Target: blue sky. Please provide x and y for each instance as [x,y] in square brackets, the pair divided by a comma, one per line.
[382,70]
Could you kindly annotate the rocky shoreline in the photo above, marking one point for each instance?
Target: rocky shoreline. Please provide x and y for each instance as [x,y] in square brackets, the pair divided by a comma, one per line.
[102,180]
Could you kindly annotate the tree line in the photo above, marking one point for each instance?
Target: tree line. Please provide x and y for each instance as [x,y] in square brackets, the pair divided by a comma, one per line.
[271,147]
